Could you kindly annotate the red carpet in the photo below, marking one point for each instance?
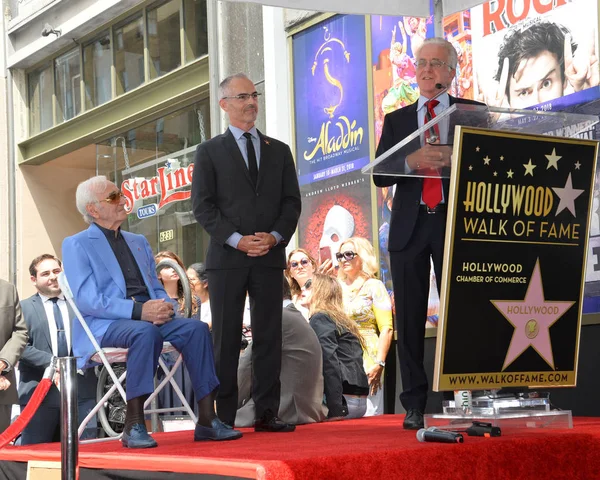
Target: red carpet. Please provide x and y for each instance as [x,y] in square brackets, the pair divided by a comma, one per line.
[355,449]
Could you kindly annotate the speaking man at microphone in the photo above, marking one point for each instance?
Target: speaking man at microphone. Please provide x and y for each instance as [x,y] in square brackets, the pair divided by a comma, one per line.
[418,222]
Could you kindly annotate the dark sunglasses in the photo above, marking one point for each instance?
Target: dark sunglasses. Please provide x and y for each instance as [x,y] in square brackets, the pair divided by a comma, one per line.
[308,284]
[349,255]
[304,262]
[114,197]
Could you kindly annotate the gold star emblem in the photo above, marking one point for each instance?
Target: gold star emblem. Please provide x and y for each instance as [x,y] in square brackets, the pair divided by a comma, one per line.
[476,149]
[509,174]
[495,174]
[529,168]
[486,160]
[577,165]
[470,167]
[501,158]
[553,159]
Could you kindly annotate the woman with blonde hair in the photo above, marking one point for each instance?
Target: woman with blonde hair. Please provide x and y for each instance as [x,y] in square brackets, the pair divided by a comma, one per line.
[368,304]
[345,383]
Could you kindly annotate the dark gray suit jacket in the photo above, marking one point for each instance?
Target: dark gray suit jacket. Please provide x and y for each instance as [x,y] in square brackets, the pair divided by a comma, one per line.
[301,375]
[225,201]
[38,354]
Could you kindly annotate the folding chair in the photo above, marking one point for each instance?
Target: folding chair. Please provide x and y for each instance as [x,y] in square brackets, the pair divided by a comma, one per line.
[106,356]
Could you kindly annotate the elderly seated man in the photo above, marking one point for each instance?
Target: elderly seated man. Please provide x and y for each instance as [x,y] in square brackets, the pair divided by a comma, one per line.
[112,275]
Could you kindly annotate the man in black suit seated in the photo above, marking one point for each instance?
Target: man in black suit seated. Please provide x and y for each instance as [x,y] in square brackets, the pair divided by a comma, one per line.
[418,221]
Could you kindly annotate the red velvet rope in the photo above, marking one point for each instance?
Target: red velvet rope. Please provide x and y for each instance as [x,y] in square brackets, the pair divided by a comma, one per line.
[21,422]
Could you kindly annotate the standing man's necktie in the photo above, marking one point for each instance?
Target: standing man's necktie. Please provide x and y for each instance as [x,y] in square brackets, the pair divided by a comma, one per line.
[252,164]
[62,346]
[432,187]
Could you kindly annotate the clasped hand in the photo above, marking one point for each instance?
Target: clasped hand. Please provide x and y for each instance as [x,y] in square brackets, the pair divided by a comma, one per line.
[257,245]
[430,156]
[157,312]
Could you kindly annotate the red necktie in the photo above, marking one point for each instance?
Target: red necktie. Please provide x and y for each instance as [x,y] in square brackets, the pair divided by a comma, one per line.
[432,187]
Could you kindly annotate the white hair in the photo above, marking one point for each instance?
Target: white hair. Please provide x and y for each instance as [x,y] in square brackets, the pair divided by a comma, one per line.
[224,85]
[86,194]
[452,57]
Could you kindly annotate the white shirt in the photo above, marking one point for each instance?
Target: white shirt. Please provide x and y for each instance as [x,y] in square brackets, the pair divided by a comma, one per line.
[49,309]
[205,315]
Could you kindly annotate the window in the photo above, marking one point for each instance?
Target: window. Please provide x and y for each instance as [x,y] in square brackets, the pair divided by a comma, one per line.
[96,71]
[164,43]
[40,100]
[129,55]
[67,78]
[196,34]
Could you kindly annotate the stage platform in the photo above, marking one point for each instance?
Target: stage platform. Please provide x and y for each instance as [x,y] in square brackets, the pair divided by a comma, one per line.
[368,448]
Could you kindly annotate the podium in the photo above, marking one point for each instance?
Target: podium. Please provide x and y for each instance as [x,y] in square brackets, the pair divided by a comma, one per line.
[518,216]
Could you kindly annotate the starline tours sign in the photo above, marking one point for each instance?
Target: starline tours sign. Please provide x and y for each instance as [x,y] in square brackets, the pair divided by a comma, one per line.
[171,184]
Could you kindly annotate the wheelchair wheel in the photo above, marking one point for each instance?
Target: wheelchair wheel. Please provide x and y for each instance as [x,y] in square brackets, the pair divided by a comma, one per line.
[112,414]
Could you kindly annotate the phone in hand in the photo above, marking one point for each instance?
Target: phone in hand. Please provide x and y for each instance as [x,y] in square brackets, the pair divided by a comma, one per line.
[324,254]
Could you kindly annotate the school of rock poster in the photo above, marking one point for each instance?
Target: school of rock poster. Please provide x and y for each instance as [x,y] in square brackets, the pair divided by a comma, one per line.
[532,53]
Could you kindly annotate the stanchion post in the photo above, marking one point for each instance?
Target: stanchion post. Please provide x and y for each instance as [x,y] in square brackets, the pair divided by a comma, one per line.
[69,446]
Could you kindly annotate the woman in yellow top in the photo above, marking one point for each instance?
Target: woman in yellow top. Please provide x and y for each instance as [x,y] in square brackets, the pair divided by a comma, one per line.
[368,303]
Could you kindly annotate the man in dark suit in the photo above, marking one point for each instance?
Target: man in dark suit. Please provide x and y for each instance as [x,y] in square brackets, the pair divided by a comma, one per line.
[301,372]
[418,222]
[44,342]
[245,194]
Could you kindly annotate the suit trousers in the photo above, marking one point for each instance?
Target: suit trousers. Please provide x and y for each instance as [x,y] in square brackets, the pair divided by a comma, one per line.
[5,411]
[144,340]
[411,277]
[228,289]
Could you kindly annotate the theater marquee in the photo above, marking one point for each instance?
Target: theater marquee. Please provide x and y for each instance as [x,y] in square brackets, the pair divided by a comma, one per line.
[515,257]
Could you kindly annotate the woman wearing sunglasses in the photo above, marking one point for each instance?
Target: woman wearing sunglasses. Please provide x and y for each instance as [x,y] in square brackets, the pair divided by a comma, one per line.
[344,381]
[367,303]
[300,268]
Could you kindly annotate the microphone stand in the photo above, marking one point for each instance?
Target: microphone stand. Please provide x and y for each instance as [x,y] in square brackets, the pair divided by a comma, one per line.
[433,137]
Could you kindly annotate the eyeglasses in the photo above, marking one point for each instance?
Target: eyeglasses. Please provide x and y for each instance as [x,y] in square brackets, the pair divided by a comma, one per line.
[244,97]
[308,284]
[349,255]
[435,63]
[304,262]
[113,198]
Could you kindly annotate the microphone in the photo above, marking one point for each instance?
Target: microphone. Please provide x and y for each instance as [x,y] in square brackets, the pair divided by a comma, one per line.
[432,135]
[432,434]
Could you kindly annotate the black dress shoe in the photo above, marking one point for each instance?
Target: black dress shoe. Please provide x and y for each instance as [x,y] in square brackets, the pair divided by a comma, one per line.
[217,431]
[413,419]
[273,424]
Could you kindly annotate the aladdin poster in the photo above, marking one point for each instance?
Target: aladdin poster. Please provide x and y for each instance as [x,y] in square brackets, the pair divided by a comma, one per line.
[330,99]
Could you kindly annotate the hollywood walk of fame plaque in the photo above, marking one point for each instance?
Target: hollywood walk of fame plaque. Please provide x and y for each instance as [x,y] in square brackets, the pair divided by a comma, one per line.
[514,262]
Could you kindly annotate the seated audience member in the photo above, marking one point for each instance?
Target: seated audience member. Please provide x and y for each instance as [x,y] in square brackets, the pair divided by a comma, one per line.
[49,318]
[301,372]
[300,268]
[112,275]
[167,398]
[13,338]
[346,385]
[199,282]
[368,304]
[172,283]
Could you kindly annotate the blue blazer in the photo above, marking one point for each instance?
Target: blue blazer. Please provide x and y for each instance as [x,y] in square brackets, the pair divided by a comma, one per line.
[98,285]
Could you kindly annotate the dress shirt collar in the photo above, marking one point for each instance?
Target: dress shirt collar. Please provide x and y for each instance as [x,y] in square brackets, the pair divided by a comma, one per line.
[286,302]
[109,233]
[238,132]
[444,100]
[48,299]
